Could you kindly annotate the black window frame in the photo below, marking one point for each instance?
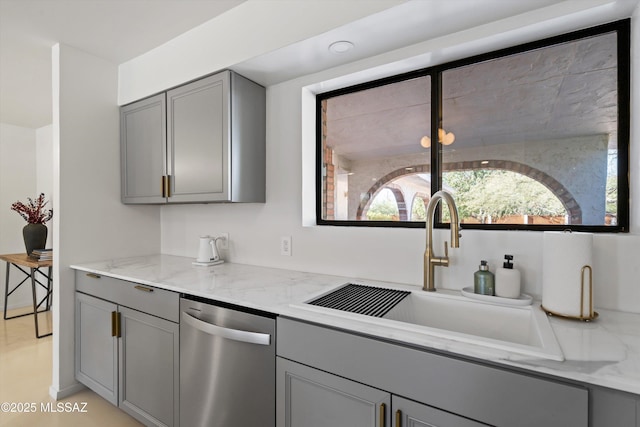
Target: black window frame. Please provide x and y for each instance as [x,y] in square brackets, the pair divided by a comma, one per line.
[622,28]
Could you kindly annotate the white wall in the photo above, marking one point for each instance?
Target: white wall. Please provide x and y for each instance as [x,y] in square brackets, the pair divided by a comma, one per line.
[389,254]
[90,222]
[246,31]
[17,182]
[44,166]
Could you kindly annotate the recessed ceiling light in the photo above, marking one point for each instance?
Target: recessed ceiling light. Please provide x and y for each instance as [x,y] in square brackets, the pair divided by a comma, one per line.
[341,46]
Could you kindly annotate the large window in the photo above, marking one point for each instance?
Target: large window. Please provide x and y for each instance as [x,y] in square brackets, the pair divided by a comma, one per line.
[531,137]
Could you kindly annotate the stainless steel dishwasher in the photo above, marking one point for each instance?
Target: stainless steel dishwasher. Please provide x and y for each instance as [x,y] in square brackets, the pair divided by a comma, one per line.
[227,365]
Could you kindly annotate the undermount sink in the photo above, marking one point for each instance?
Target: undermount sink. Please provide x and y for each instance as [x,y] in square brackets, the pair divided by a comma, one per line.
[521,329]
[524,330]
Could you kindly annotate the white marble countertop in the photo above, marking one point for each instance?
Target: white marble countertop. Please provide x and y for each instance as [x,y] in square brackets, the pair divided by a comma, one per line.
[605,352]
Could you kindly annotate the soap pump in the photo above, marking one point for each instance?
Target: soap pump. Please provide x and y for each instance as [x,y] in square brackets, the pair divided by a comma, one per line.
[507,279]
[483,280]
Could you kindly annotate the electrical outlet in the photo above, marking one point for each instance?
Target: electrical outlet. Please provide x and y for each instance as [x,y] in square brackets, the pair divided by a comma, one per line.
[223,241]
[285,245]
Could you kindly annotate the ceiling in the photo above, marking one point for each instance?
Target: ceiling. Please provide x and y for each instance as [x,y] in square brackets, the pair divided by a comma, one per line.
[562,91]
[119,30]
[115,30]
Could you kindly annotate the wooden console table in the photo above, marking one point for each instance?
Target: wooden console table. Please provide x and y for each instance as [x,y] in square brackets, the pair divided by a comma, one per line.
[30,270]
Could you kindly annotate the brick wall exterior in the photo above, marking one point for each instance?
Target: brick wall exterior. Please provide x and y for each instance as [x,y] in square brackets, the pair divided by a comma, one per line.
[329,178]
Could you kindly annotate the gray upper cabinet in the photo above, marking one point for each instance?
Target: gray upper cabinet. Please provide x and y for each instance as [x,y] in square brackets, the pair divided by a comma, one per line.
[198,129]
[213,149]
[143,145]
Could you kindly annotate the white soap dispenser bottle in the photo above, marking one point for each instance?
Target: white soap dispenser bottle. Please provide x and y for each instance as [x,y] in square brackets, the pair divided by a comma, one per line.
[507,280]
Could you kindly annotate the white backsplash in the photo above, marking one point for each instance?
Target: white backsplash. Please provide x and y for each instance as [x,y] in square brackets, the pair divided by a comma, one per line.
[393,255]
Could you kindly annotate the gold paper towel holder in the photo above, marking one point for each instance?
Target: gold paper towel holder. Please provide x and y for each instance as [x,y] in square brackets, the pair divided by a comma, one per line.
[592,315]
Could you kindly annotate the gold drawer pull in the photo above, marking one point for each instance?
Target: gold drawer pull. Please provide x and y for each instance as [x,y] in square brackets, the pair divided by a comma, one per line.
[382,414]
[143,288]
[398,418]
[115,324]
[93,275]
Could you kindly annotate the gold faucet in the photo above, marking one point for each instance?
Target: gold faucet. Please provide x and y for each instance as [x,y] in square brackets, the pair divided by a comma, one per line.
[430,260]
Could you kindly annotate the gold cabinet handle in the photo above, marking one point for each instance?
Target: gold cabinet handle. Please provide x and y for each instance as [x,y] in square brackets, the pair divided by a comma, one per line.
[398,418]
[93,275]
[166,185]
[143,288]
[115,324]
[383,408]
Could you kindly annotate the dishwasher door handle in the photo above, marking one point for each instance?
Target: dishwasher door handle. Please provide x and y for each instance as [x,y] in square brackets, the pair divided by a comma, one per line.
[232,334]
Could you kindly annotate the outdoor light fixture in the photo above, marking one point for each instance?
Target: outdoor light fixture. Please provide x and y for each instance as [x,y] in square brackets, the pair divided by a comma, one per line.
[444,137]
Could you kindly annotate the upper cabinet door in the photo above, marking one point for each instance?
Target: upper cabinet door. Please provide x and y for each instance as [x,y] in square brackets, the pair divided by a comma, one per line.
[198,143]
[143,139]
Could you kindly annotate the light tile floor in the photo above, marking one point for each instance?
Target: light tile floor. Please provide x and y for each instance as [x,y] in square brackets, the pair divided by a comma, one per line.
[25,377]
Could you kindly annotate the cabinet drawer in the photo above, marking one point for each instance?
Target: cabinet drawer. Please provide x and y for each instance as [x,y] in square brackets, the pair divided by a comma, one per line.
[148,299]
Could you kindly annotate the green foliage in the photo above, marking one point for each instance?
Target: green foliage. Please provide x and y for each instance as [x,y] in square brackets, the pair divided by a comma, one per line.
[484,194]
[612,195]
[383,208]
[418,211]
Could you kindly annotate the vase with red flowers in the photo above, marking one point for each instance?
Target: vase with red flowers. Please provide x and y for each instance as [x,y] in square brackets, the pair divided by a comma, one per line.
[36,215]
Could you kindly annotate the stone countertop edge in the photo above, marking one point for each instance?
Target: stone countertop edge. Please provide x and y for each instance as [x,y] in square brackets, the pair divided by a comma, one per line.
[605,352]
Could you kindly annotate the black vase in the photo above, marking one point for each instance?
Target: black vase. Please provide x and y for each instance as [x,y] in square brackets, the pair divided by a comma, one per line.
[35,237]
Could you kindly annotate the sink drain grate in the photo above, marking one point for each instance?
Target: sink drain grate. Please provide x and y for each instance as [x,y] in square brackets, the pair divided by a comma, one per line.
[367,300]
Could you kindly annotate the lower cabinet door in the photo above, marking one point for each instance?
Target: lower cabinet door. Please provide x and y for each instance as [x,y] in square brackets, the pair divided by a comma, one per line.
[407,413]
[307,397]
[149,368]
[96,346]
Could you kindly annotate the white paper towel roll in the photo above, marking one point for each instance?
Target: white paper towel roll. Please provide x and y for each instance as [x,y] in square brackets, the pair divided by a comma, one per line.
[564,256]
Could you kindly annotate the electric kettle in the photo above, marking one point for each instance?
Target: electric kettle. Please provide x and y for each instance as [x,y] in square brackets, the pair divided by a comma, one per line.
[208,252]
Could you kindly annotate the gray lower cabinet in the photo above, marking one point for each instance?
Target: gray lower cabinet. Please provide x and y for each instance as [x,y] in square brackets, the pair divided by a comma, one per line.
[425,388]
[313,398]
[96,346]
[127,356]
[613,408]
[149,369]
[407,413]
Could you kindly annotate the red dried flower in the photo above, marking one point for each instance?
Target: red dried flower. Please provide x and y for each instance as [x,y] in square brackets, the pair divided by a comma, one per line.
[34,212]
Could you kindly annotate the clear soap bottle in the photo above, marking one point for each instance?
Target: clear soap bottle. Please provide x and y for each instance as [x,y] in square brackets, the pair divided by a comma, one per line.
[483,280]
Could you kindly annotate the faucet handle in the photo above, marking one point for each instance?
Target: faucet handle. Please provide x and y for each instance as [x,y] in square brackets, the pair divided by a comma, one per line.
[446,250]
